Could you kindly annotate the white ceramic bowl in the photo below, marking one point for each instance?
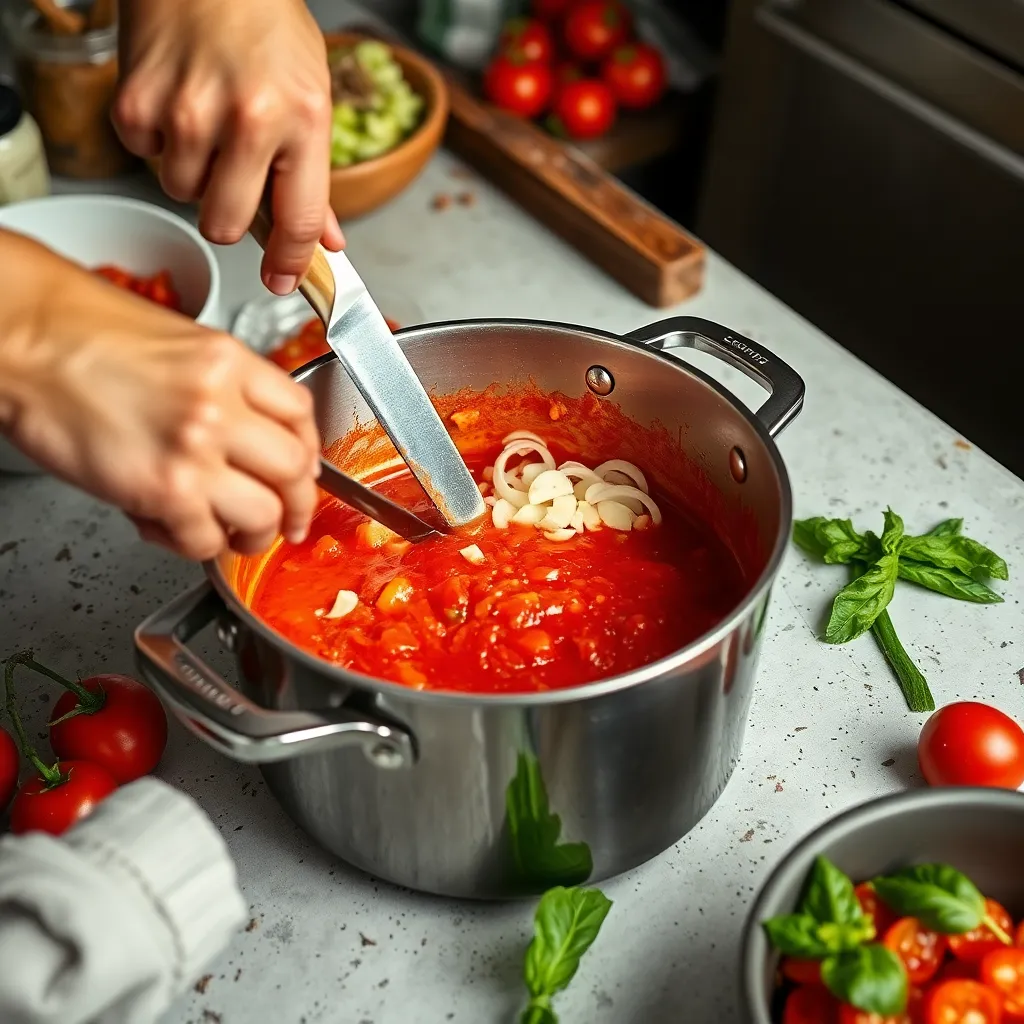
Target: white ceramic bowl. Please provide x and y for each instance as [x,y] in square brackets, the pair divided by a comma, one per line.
[141,238]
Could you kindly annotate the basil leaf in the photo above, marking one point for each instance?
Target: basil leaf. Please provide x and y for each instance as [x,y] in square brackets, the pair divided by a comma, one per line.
[859,603]
[797,935]
[566,924]
[892,534]
[950,582]
[829,896]
[538,1013]
[940,897]
[841,937]
[947,528]
[871,978]
[955,552]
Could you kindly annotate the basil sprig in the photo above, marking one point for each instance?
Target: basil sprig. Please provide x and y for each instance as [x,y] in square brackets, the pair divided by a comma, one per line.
[830,926]
[566,924]
[940,897]
[943,560]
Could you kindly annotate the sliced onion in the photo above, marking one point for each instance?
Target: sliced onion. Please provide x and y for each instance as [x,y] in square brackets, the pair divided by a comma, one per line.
[501,483]
[560,535]
[522,435]
[502,513]
[549,485]
[344,603]
[615,515]
[473,555]
[530,472]
[591,517]
[627,469]
[620,493]
[530,515]
[560,514]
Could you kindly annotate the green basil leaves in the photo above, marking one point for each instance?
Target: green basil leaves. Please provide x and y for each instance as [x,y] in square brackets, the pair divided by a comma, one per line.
[870,977]
[942,560]
[940,897]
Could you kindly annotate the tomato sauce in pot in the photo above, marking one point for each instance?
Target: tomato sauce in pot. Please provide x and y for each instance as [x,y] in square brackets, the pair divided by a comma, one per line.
[531,614]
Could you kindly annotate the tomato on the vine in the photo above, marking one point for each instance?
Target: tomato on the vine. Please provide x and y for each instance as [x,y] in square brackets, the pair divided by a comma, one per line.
[8,769]
[583,109]
[520,87]
[971,744]
[635,73]
[962,1000]
[920,950]
[973,945]
[810,1004]
[593,28]
[125,733]
[53,805]
[526,38]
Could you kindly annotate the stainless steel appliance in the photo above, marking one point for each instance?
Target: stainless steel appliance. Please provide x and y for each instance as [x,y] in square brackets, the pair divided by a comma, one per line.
[453,793]
[867,166]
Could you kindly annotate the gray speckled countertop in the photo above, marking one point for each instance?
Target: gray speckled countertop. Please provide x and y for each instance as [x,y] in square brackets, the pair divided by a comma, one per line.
[828,727]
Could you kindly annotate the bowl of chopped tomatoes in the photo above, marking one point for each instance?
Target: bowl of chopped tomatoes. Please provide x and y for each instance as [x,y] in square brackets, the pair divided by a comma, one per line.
[905,910]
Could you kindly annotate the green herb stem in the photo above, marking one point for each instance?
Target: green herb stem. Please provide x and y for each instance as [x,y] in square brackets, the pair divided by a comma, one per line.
[994,927]
[912,682]
[50,774]
[538,1012]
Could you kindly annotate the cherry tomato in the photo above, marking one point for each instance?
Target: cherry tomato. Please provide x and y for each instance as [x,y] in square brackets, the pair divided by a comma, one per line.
[8,769]
[971,744]
[920,950]
[593,28]
[973,945]
[1003,971]
[869,902]
[803,972]
[962,1002]
[527,38]
[810,1004]
[126,735]
[583,109]
[551,10]
[851,1015]
[635,73]
[38,807]
[519,87]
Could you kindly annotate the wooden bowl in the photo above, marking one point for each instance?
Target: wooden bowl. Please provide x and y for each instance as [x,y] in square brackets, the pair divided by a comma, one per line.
[360,188]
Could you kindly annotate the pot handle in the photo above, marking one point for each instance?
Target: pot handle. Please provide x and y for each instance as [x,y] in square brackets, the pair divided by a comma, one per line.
[231,723]
[785,385]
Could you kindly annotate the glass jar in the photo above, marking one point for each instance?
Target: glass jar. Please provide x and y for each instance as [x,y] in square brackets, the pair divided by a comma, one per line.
[23,173]
[68,84]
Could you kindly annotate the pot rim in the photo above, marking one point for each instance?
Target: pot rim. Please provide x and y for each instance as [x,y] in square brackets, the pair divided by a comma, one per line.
[795,863]
[571,694]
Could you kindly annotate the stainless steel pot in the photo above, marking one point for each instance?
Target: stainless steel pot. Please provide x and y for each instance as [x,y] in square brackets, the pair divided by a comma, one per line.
[498,796]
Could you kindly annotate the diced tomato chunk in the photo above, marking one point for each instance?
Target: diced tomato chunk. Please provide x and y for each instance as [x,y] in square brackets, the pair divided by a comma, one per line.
[1003,971]
[920,950]
[962,1002]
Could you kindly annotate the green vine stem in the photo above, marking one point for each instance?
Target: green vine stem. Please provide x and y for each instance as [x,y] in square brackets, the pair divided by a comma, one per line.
[88,703]
[50,774]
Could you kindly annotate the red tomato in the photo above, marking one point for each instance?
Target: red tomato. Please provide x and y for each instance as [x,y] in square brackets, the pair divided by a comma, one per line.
[920,950]
[971,744]
[593,28]
[809,1004]
[958,969]
[584,109]
[1003,971]
[520,88]
[803,972]
[528,39]
[869,902]
[8,769]
[962,1002]
[54,809]
[551,10]
[975,944]
[125,735]
[635,73]
[851,1015]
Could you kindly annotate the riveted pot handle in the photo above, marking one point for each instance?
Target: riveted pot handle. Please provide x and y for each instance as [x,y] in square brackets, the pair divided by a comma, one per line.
[779,378]
[221,716]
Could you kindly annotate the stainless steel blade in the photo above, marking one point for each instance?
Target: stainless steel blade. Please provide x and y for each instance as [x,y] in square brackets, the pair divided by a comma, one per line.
[371,356]
[366,500]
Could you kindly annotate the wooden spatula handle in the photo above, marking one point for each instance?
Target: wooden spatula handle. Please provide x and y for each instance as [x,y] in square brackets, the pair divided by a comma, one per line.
[317,286]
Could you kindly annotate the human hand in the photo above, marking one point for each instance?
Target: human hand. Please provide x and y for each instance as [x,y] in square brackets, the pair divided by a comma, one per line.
[204,444]
[226,93]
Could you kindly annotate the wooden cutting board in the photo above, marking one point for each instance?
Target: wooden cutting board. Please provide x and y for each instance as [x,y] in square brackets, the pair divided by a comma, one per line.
[650,255]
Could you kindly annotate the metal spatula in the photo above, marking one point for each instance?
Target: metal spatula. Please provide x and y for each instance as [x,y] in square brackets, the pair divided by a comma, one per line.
[363,342]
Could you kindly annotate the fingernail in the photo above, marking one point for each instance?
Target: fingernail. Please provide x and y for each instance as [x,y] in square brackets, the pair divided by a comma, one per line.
[282,284]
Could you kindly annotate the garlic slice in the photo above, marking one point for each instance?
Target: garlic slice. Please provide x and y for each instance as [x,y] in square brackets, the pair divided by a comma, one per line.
[560,514]
[627,469]
[473,555]
[530,515]
[591,517]
[615,515]
[344,603]
[620,493]
[576,523]
[549,485]
[530,473]
[560,535]
[501,513]
[642,522]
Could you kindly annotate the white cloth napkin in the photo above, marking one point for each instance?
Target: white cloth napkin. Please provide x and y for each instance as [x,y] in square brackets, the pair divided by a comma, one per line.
[110,922]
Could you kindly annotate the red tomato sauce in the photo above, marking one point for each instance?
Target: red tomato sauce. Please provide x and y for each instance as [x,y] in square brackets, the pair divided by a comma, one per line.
[536,615]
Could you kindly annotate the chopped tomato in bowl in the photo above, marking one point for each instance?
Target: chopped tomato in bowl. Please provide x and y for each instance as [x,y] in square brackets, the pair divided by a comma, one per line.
[158,288]
[307,344]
